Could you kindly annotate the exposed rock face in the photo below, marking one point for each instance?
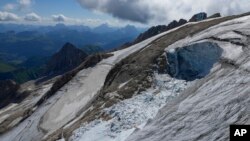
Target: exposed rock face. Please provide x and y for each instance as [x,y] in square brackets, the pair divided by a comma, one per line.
[159,29]
[194,61]
[198,17]
[214,15]
[66,59]
[181,22]
[175,24]
[156,30]
[151,32]
[8,92]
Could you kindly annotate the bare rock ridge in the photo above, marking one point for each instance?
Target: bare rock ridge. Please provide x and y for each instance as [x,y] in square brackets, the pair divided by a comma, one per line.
[162,28]
[216,15]
[154,31]
[66,59]
[159,29]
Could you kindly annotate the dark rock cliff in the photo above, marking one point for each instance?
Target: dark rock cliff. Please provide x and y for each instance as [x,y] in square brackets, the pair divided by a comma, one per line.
[198,17]
[66,59]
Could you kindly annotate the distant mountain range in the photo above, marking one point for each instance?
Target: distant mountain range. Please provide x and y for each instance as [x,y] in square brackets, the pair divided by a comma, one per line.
[25,49]
[19,42]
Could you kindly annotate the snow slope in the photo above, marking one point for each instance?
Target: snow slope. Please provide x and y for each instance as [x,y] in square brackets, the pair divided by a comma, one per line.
[208,106]
[27,130]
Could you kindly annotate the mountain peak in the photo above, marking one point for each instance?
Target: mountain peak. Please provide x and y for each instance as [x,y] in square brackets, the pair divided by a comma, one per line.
[198,17]
[66,59]
[67,46]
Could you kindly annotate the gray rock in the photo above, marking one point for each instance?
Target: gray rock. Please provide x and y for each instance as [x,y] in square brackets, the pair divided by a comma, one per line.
[198,17]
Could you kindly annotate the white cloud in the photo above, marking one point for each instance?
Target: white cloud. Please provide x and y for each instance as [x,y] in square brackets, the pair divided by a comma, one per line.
[9,7]
[32,17]
[7,16]
[60,18]
[76,21]
[148,11]
[24,3]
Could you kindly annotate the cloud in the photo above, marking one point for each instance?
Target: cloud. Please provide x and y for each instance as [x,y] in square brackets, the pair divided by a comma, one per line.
[60,18]
[20,5]
[32,17]
[9,7]
[124,9]
[24,3]
[145,11]
[7,16]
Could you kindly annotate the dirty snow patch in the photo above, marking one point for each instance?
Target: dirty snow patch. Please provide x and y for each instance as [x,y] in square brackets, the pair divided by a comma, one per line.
[131,114]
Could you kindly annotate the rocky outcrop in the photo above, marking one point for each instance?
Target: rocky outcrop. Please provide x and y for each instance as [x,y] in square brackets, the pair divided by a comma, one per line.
[175,24]
[66,59]
[154,31]
[193,61]
[198,17]
[162,28]
[8,92]
[216,15]
[159,29]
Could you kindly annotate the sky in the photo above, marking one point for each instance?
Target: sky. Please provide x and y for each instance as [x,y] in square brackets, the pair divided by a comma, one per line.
[113,12]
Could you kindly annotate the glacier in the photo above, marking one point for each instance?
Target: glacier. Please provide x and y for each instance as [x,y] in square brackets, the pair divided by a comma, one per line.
[206,108]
